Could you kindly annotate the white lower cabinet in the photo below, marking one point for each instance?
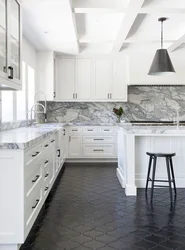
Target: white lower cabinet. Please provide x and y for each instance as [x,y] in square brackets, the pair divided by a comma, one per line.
[92,142]
[75,146]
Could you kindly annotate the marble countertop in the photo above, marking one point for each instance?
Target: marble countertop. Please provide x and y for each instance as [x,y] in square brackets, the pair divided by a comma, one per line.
[25,137]
[153,130]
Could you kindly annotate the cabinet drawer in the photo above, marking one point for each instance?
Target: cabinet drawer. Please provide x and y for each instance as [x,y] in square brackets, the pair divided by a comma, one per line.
[74,130]
[98,139]
[98,150]
[33,154]
[46,187]
[33,176]
[90,130]
[107,130]
[32,203]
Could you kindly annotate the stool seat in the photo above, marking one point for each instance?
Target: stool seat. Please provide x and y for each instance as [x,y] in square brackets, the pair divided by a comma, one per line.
[161,154]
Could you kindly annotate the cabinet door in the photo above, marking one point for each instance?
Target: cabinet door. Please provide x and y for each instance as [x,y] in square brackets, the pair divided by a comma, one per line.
[14,65]
[66,79]
[119,80]
[75,146]
[3,36]
[102,79]
[83,79]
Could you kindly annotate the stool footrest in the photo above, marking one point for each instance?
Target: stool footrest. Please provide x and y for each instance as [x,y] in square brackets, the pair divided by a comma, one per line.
[162,181]
[160,186]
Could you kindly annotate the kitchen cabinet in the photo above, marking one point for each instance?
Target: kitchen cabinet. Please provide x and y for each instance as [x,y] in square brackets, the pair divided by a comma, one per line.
[92,142]
[66,80]
[46,75]
[11,43]
[75,146]
[83,79]
[102,79]
[120,80]
[92,79]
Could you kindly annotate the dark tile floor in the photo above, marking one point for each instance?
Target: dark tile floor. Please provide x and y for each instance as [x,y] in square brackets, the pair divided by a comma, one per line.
[88,210]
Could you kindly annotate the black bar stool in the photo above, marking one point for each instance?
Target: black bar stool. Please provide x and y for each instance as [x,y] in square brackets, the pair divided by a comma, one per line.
[170,172]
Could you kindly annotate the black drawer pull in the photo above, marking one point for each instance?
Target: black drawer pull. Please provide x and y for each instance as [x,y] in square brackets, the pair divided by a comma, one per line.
[46,188]
[52,141]
[98,150]
[64,132]
[36,178]
[74,129]
[90,130]
[58,152]
[37,201]
[35,154]
[46,145]
[98,139]
[46,175]
[46,162]
[106,130]
[11,72]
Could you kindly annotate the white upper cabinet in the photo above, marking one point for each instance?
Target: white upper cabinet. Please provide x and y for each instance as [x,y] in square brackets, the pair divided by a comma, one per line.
[46,74]
[66,79]
[83,79]
[88,79]
[102,79]
[10,45]
[120,79]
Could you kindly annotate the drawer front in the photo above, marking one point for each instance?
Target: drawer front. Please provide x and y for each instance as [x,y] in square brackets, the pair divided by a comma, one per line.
[90,130]
[32,203]
[75,130]
[107,130]
[33,154]
[98,150]
[98,139]
[33,176]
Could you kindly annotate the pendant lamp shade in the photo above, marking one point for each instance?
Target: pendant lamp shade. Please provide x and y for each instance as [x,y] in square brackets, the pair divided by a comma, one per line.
[161,64]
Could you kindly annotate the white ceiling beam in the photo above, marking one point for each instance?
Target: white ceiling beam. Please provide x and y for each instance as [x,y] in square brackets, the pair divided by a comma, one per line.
[72,16]
[98,10]
[177,43]
[162,10]
[128,20]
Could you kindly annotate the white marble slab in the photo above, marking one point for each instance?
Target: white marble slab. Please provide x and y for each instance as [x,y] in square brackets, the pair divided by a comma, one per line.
[153,130]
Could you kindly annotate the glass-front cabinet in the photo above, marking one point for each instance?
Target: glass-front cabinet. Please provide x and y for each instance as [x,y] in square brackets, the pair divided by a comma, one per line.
[10,44]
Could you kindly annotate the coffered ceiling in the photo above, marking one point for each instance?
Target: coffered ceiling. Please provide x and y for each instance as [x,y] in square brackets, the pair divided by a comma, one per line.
[103,26]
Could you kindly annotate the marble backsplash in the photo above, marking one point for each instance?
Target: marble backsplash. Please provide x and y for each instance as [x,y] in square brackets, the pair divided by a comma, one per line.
[151,103]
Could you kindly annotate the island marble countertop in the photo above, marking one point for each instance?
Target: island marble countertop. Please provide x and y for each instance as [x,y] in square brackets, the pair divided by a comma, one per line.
[153,130]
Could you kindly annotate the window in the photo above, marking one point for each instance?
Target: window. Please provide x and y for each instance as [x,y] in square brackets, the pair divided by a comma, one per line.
[15,104]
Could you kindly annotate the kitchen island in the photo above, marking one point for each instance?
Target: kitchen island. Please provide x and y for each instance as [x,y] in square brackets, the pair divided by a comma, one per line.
[135,141]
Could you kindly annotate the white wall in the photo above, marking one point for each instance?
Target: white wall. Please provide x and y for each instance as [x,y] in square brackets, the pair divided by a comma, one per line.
[29,54]
[140,63]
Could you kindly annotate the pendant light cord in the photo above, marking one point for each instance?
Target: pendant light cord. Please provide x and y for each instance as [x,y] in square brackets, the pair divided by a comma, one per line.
[161,34]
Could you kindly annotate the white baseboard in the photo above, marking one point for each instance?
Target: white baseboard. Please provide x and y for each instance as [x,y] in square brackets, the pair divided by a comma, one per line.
[114,160]
[141,183]
[120,177]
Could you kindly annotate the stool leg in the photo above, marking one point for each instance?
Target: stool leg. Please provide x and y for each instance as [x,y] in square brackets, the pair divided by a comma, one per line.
[173,176]
[148,175]
[169,179]
[153,177]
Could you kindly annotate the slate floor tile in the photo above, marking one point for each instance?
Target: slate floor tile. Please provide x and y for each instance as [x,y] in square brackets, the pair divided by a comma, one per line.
[87,210]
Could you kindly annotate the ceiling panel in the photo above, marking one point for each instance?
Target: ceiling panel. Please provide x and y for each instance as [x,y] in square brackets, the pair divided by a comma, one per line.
[50,21]
[98,27]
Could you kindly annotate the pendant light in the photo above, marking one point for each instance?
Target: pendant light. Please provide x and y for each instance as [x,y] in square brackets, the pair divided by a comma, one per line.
[161,64]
